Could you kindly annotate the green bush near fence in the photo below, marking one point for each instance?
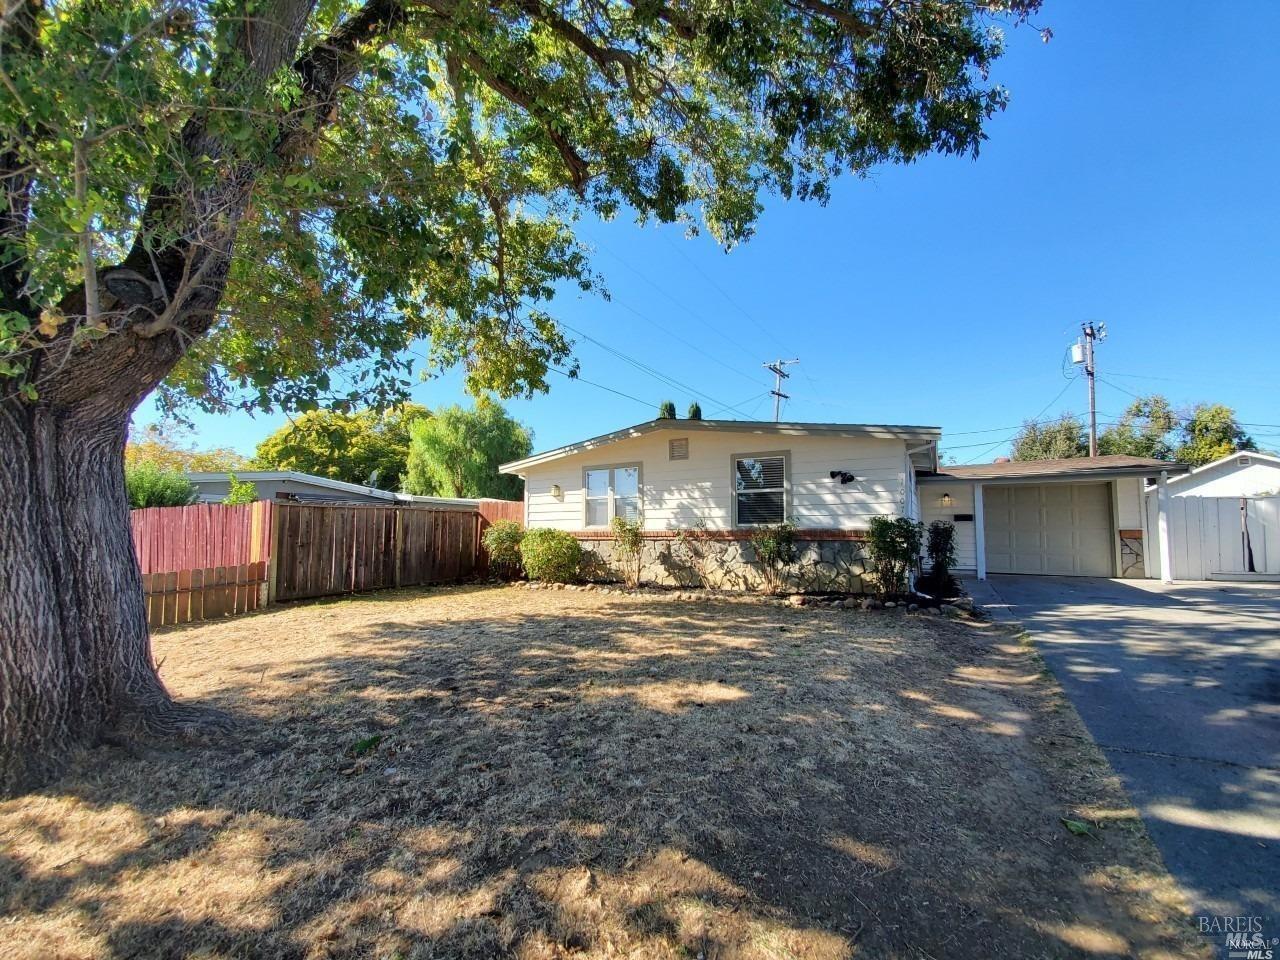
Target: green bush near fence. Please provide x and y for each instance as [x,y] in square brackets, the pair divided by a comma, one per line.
[151,486]
[551,555]
[502,540]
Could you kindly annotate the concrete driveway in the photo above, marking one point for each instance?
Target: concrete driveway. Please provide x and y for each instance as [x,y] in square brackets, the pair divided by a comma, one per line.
[1180,685]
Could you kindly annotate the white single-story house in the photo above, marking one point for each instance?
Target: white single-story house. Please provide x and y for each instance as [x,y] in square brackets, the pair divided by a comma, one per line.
[289,486]
[700,487]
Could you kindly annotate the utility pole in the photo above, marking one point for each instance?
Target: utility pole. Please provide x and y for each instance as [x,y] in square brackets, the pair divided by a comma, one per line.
[1092,335]
[779,374]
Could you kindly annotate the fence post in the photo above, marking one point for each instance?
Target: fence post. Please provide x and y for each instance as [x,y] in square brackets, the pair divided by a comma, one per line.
[271,587]
[397,538]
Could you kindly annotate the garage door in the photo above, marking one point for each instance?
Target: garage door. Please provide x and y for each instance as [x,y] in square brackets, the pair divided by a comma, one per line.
[1049,528]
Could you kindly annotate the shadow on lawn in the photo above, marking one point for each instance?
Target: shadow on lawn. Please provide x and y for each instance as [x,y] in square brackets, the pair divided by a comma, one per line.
[643,777]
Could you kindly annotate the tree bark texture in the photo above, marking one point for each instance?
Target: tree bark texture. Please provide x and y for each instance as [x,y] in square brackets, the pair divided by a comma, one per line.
[75,651]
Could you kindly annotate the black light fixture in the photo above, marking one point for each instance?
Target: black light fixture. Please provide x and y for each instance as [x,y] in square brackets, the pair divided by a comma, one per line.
[844,476]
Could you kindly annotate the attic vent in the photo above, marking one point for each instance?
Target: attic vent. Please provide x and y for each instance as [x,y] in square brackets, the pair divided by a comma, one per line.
[678,449]
[1244,461]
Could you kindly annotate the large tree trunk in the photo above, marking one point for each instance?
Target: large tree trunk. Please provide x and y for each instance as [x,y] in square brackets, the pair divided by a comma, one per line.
[75,654]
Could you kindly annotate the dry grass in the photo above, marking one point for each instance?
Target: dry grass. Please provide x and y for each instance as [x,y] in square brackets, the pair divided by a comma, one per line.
[602,775]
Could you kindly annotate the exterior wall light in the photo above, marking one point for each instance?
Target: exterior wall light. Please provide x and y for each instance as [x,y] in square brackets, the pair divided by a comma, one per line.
[946,500]
[556,491]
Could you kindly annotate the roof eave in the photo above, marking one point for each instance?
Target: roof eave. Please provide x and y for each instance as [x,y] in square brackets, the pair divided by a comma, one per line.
[882,431]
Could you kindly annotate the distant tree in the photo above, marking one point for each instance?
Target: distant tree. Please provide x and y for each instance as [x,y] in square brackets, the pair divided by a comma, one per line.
[1144,430]
[170,447]
[695,411]
[149,485]
[239,491]
[366,446]
[456,453]
[1210,432]
[666,410]
[1062,438]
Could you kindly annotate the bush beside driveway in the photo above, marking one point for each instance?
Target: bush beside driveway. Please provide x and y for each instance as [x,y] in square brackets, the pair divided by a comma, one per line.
[480,772]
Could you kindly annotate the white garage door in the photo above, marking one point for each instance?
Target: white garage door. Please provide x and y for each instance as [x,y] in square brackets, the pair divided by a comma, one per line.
[1049,528]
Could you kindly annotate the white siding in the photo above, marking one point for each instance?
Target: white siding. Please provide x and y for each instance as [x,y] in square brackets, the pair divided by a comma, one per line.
[679,493]
[1128,502]
[931,509]
[1229,479]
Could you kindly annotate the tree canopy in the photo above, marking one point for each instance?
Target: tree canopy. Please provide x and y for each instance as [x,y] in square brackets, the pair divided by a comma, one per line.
[1144,430]
[364,446]
[1053,440]
[1149,427]
[369,175]
[456,453]
[172,447]
[1209,433]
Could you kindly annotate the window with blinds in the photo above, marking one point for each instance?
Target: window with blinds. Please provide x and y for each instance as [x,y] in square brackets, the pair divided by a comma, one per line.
[760,490]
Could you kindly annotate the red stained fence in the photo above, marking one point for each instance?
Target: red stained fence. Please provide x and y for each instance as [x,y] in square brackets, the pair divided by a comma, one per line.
[201,536]
[210,560]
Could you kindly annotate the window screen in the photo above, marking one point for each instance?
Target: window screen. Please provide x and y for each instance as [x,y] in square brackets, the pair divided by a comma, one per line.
[760,488]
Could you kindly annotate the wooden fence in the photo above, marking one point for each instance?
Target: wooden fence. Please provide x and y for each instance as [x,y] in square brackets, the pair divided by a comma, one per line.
[204,561]
[326,550]
[210,560]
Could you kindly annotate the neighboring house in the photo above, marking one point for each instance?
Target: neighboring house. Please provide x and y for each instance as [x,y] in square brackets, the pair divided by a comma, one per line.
[1222,521]
[1245,474]
[291,487]
[700,487]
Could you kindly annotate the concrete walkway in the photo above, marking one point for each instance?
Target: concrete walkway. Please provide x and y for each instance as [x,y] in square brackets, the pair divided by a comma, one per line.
[1180,686]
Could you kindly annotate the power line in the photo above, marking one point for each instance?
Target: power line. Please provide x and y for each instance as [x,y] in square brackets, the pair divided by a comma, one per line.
[651,371]
[1057,397]
[591,383]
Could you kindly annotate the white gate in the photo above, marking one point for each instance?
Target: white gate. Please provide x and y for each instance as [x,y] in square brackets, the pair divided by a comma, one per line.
[1217,537]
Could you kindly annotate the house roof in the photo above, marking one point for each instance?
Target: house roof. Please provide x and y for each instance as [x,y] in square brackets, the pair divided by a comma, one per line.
[341,486]
[879,430]
[1252,454]
[1072,467]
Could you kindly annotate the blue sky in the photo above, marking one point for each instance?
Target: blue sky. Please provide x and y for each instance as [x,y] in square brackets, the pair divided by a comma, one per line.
[1134,179]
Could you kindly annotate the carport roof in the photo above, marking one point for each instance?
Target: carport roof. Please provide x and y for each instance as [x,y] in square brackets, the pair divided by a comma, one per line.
[1071,468]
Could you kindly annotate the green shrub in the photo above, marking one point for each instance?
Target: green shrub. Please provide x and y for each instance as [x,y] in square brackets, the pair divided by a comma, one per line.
[775,549]
[550,555]
[893,545]
[666,410]
[151,486]
[628,548]
[940,546]
[502,541]
[239,491]
[695,411]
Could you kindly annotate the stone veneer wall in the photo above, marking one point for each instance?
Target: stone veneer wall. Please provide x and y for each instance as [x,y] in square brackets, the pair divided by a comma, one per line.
[1131,552]
[827,565]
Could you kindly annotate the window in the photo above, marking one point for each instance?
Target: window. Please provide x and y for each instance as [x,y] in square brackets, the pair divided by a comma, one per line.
[760,489]
[678,449]
[611,492]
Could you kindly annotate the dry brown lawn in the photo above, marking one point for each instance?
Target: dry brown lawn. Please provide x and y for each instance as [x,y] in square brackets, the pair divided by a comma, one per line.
[497,772]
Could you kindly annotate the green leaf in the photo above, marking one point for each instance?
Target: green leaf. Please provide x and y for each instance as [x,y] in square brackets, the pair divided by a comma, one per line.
[1079,828]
